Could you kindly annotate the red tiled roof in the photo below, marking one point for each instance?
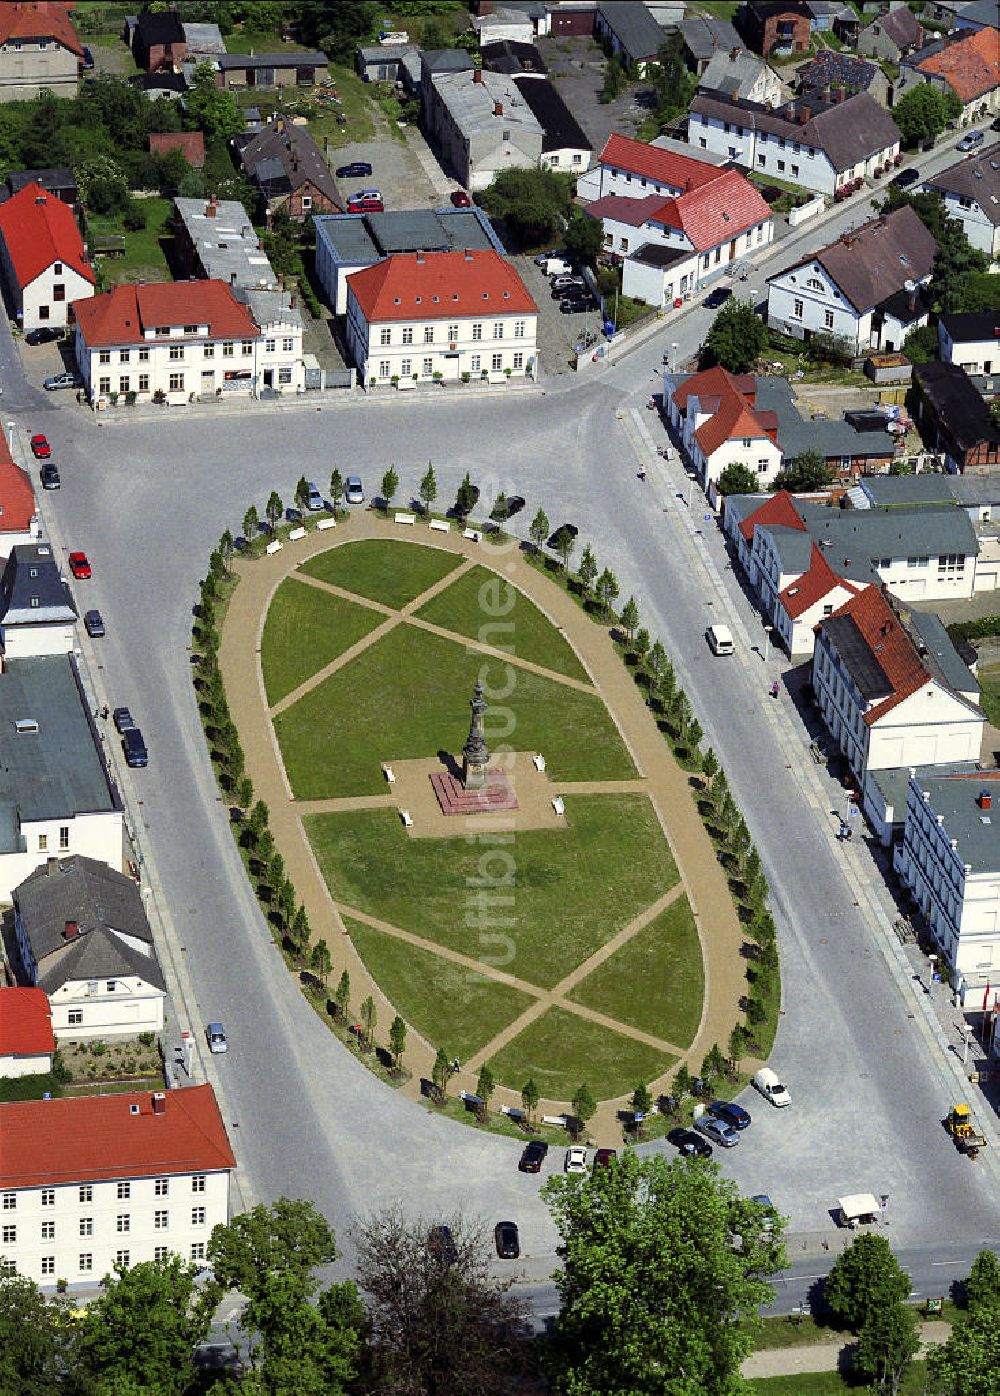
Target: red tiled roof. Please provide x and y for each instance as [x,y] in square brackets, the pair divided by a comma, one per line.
[970,66]
[635,212]
[713,382]
[121,315]
[40,229]
[39,19]
[726,397]
[733,421]
[439,286]
[813,585]
[778,509]
[719,211]
[191,144]
[891,648]
[17,498]
[650,162]
[25,1023]
[93,1138]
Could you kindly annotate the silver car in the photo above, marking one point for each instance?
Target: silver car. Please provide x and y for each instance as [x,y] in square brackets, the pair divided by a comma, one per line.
[354,491]
[717,1130]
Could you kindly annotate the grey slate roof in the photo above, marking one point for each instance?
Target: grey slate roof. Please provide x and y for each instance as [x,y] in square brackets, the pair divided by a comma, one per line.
[229,61]
[902,26]
[869,677]
[959,407]
[940,654]
[560,127]
[732,75]
[895,491]
[953,791]
[877,259]
[976,177]
[57,770]
[848,132]
[367,237]
[830,438]
[107,909]
[31,590]
[285,158]
[633,26]
[226,242]
[204,38]
[705,35]
[793,546]
[972,325]
[912,532]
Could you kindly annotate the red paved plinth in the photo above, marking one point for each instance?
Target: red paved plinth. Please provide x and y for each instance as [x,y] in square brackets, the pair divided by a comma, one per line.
[452,796]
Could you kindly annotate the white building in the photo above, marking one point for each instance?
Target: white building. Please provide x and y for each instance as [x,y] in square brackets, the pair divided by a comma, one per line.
[441,315]
[481,124]
[82,936]
[637,170]
[44,262]
[742,74]
[27,1043]
[714,415]
[949,858]
[185,340]
[970,192]
[863,288]
[37,614]
[972,341]
[39,51]
[88,1182]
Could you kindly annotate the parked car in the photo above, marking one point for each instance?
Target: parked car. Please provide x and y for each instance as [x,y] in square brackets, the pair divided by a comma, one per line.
[544,258]
[441,1244]
[730,1114]
[569,288]
[720,639]
[134,748]
[533,1156]
[971,140]
[79,566]
[357,169]
[717,297]
[691,1145]
[217,1040]
[364,194]
[604,1158]
[365,205]
[93,623]
[508,1243]
[905,177]
[45,334]
[576,305]
[315,500]
[122,719]
[40,448]
[768,1082]
[62,380]
[354,491]
[717,1130]
[50,477]
[460,198]
[575,1160]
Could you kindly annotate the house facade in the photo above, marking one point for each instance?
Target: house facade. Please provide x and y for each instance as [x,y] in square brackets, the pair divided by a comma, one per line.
[287,168]
[636,170]
[964,64]
[39,51]
[893,35]
[715,416]
[740,74]
[270,70]
[89,1182]
[969,192]
[481,124]
[771,26]
[42,255]
[27,1043]
[972,341]
[954,419]
[441,315]
[628,32]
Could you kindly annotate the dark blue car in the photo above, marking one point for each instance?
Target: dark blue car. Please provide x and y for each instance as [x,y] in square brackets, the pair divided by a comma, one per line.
[729,1113]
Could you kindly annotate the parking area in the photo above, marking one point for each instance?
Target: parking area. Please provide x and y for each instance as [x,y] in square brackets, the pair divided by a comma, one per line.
[397,172]
[558,334]
[576,69]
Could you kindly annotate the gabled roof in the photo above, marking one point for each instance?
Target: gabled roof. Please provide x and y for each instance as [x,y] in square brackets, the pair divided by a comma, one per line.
[438,286]
[959,407]
[880,656]
[663,166]
[902,27]
[633,26]
[44,1143]
[847,131]
[830,67]
[732,73]
[159,27]
[122,315]
[39,19]
[283,157]
[813,585]
[561,131]
[17,497]
[32,592]
[972,326]
[84,891]
[191,144]
[315,59]
[977,177]
[40,229]
[728,399]
[634,212]
[718,211]
[25,1023]
[970,66]
[707,34]
[778,508]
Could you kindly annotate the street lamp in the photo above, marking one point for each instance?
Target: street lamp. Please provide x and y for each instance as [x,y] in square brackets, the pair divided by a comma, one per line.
[673,358]
[968,1032]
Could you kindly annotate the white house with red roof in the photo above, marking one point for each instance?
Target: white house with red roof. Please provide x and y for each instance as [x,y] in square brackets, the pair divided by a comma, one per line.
[88,1182]
[804,601]
[43,258]
[27,1042]
[185,340]
[715,415]
[19,521]
[635,169]
[39,50]
[417,317]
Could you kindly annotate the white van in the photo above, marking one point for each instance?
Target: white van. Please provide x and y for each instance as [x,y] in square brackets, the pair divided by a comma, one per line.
[556,266]
[720,639]
[768,1082]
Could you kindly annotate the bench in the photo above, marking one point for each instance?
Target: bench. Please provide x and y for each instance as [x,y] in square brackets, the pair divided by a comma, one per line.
[473,535]
[326,523]
[406,817]
[295,534]
[538,762]
[389,774]
[273,548]
[410,519]
[558,804]
[439,526]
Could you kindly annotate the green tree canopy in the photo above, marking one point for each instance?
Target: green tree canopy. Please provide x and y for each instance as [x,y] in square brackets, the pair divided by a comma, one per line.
[922,113]
[34,1347]
[532,201]
[210,109]
[864,1278]
[736,339]
[288,1238]
[737,478]
[921,345]
[808,471]
[983,1284]
[967,1364]
[584,239]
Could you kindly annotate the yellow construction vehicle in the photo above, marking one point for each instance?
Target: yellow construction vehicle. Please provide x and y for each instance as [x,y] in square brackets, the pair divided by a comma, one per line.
[959,1126]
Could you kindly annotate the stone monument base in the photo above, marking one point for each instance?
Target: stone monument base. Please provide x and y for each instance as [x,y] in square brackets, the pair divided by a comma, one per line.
[453,798]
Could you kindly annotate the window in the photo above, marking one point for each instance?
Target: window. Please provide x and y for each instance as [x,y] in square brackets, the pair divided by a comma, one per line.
[48,1231]
[506,135]
[762,160]
[43,842]
[246,347]
[144,382]
[814,283]
[176,383]
[122,1258]
[162,331]
[795,171]
[49,1197]
[385,336]
[428,334]
[124,1191]
[227,349]
[190,329]
[718,255]
[781,164]
[63,837]
[86,1261]
[48,1265]
[9,1233]
[624,244]
[704,144]
[828,319]
[706,261]
[198,1250]
[160,1252]
[104,385]
[452,333]
[123,1222]
[86,1226]
[498,330]
[270,345]
[427,367]
[161,1220]
[144,356]
[198,1182]
[951,562]
[496,363]
[475,363]
[287,345]
[284,375]
[406,367]
[384,369]
[161,1188]
[104,357]
[124,356]
[208,350]
[407,334]
[519,361]
[797,308]
[58,267]
[197,1216]
[477,331]
[86,1192]
[762,467]
[10,1202]
[176,352]
[109,986]
[519,328]
[307,202]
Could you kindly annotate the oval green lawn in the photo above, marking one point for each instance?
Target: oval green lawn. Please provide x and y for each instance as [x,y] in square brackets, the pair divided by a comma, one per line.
[383,569]
[560,1051]
[305,629]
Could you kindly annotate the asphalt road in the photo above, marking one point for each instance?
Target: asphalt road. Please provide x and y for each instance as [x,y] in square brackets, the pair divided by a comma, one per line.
[149,499]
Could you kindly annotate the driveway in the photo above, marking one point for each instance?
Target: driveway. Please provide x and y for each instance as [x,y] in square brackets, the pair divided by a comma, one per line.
[396,170]
[558,334]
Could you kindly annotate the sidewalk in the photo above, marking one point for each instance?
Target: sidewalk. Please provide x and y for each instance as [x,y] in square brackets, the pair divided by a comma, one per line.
[826,1357]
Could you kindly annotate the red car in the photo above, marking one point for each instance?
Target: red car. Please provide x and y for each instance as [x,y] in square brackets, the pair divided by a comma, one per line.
[366,206]
[79,565]
[40,447]
[461,199]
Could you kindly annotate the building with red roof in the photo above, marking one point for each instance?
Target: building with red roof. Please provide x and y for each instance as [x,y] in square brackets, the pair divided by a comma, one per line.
[26,1038]
[43,258]
[635,169]
[124,1178]
[188,339]
[716,416]
[19,522]
[191,144]
[968,66]
[441,315]
[39,50]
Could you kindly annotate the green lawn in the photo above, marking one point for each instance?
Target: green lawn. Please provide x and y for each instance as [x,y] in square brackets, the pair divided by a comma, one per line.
[833,1384]
[144,258]
[656,981]
[570,889]
[420,985]
[304,630]
[989,682]
[488,608]
[407,696]
[560,1050]
[387,571]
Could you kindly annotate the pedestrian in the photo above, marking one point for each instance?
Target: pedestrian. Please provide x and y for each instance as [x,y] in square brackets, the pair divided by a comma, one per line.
[775,689]
[105,711]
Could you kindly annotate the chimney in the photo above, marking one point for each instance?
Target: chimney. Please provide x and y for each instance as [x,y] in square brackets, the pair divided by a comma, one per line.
[232,278]
[841,94]
[468,255]
[212,207]
[498,108]
[804,114]
[420,259]
[985,799]
[40,199]
[159,1103]
[477,75]
[71,930]
[51,867]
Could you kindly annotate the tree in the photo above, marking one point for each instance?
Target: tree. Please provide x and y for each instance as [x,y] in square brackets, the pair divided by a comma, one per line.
[587,570]
[302,494]
[651,1282]
[738,1043]
[428,488]
[320,961]
[967,1364]
[440,1072]
[369,1017]
[336,488]
[584,239]
[530,1096]
[274,508]
[466,498]
[485,1086]
[34,1348]
[922,113]
[397,1040]
[954,262]
[615,80]
[288,1238]
[807,471]
[607,591]
[710,765]
[563,543]
[501,508]
[342,997]
[630,617]
[921,345]
[211,109]
[887,1344]
[714,1064]
[673,84]
[436,1328]
[583,1102]
[226,546]
[296,1346]
[390,484]
[682,1082]
[983,1284]
[864,1278]
[736,339]
[251,524]
[737,478]
[539,529]
[641,643]
[658,661]
[244,792]
[143,1327]
[642,1101]
[298,934]
[533,202]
